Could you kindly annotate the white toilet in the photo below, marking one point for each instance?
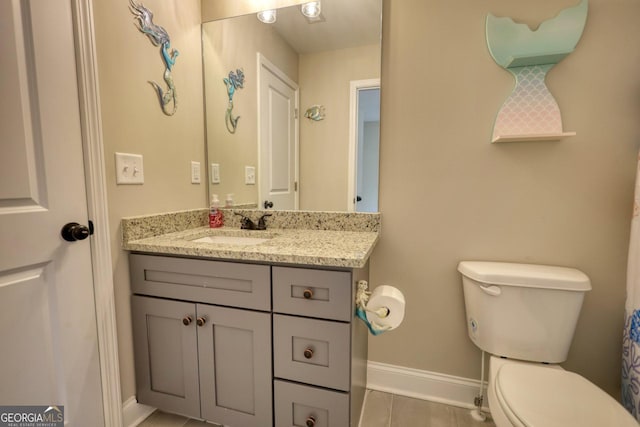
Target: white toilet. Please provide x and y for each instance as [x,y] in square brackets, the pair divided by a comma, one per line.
[525,316]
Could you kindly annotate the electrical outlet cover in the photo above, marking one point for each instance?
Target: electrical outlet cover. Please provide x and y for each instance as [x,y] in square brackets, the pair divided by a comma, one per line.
[195,172]
[249,175]
[215,173]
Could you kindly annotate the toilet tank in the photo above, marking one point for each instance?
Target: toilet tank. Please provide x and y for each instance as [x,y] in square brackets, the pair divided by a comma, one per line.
[522,311]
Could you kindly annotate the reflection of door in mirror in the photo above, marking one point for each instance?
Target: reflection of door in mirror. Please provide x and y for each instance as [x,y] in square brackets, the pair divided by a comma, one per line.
[277,137]
[364,145]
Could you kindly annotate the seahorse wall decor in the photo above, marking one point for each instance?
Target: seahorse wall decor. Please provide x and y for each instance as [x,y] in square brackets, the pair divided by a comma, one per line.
[234,82]
[159,37]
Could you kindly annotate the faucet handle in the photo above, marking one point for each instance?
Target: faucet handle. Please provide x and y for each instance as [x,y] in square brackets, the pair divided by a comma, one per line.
[262,224]
[245,222]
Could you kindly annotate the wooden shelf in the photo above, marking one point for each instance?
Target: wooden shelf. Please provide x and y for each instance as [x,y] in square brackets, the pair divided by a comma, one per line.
[533,137]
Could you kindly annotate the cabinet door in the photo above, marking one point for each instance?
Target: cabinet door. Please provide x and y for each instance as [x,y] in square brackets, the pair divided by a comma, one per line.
[234,348]
[165,344]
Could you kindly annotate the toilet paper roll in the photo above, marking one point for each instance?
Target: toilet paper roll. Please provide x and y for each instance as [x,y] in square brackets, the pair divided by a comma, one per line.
[386,297]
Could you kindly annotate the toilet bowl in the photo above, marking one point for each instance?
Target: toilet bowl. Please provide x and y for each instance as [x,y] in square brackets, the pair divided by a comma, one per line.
[525,316]
[525,394]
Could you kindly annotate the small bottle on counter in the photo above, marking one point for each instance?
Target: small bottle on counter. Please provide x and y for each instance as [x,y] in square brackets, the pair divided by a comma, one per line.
[216,218]
[228,203]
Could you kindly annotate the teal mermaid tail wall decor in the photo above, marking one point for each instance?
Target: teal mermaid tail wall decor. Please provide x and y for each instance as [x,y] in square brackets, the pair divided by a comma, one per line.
[234,82]
[159,37]
[531,112]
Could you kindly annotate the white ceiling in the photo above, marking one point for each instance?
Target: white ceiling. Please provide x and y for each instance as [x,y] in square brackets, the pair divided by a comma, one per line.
[345,23]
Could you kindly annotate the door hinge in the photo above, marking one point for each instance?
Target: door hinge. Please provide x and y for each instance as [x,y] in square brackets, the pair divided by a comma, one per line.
[295,185]
[295,113]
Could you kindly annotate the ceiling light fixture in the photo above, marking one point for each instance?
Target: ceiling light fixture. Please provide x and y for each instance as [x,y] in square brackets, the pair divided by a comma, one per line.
[267,16]
[311,9]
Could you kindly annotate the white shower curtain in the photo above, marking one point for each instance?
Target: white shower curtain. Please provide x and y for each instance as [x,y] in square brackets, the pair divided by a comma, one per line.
[631,335]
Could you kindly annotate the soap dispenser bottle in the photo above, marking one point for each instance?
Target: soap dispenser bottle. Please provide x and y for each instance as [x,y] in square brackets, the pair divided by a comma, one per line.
[216,218]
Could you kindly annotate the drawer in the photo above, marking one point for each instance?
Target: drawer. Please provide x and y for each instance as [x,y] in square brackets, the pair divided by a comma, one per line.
[215,282]
[298,405]
[313,293]
[312,351]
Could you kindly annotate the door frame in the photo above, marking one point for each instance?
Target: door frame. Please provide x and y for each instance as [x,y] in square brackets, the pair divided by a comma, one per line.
[264,62]
[354,87]
[95,178]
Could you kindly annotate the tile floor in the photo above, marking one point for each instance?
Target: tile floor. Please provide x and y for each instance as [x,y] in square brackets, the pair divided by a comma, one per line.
[381,410]
[388,410]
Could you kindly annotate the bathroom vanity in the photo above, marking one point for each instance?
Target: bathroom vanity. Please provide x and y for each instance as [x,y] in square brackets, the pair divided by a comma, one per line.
[251,335]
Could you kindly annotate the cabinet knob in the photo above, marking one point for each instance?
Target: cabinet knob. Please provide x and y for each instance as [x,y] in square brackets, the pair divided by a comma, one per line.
[311,421]
[186,320]
[308,293]
[308,352]
[201,321]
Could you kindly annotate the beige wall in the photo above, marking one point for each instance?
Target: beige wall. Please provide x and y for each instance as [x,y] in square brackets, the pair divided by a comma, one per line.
[324,146]
[230,44]
[134,123]
[447,194]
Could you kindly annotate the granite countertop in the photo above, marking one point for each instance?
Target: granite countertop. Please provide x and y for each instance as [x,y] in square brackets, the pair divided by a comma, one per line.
[348,248]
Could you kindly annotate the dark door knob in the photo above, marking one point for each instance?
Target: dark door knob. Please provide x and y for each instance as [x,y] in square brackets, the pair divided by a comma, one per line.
[268,204]
[74,231]
[358,199]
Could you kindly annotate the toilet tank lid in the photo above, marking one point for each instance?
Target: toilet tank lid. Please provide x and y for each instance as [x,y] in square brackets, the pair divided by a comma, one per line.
[526,275]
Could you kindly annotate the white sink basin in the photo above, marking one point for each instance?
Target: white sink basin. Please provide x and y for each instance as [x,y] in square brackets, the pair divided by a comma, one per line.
[232,240]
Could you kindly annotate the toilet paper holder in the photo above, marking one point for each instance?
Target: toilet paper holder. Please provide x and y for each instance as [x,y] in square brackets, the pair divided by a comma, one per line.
[363,295]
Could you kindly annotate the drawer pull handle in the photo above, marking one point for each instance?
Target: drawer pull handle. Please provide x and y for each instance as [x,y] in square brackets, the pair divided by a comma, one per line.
[311,421]
[186,320]
[201,321]
[307,294]
[308,353]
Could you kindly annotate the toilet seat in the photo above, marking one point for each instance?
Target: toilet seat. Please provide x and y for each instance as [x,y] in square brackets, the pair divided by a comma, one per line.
[537,396]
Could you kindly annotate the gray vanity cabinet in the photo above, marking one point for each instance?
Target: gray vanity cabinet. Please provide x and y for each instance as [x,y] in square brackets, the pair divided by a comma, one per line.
[203,360]
[205,336]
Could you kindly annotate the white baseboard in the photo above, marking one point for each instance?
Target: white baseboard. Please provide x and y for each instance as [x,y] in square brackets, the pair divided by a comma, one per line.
[409,382]
[425,385]
[133,413]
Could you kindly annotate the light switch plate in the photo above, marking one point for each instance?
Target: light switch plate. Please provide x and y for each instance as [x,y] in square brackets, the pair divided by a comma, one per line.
[195,172]
[129,169]
[215,173]
[250,175]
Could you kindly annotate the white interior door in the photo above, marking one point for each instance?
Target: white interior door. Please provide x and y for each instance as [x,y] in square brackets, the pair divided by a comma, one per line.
[278,138]
[47,313]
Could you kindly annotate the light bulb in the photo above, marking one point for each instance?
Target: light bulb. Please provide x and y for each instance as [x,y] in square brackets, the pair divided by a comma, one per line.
[267,16]
[311,9]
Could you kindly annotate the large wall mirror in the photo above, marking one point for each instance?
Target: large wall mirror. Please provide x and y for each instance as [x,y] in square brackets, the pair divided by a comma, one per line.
[261,147]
